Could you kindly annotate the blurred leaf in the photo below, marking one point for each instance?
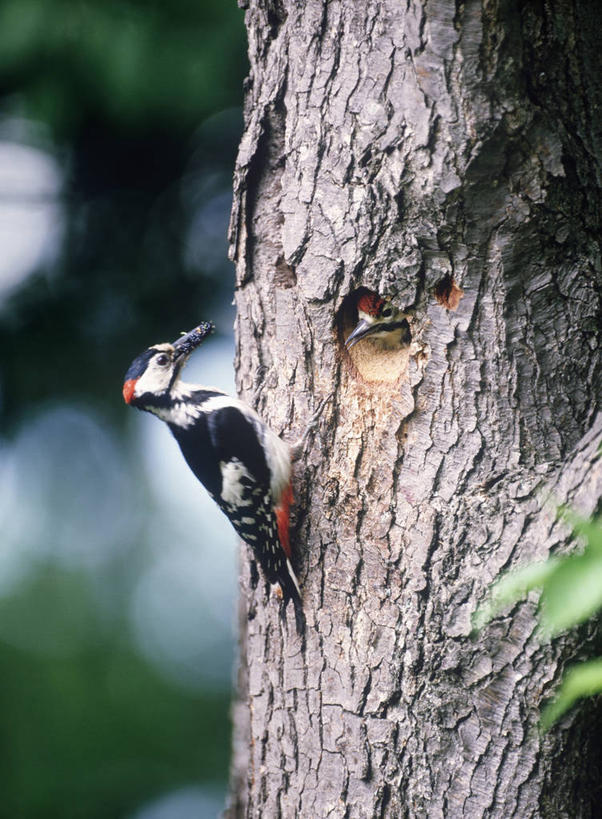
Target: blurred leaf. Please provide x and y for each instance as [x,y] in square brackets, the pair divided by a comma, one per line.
[512,587]
[588,528]
[572,593]
[583,680]
[571,584]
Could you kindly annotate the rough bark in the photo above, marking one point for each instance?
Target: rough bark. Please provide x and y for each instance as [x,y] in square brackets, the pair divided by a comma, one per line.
[388,145]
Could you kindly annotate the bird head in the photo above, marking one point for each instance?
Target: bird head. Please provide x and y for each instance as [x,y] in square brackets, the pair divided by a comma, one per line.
[380,321]
[154,372]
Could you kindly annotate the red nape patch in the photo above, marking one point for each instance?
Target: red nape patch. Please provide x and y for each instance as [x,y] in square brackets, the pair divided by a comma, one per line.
[283,519]
[370,303]
[128,389]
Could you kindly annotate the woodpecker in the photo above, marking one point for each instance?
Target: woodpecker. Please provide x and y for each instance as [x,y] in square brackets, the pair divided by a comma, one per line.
[241,462]
[381,322]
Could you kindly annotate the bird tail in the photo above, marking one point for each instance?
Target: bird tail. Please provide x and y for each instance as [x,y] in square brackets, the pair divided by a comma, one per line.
[289,586]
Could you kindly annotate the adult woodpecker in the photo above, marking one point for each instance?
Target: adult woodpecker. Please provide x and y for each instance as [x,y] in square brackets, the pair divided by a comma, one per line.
[243,464]
[380,321]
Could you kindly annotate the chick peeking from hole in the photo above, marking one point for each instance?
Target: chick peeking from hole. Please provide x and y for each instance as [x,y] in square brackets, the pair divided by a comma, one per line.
[386,334]
[381,322]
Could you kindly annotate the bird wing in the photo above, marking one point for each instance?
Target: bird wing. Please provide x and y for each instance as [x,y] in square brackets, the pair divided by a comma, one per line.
[245,494]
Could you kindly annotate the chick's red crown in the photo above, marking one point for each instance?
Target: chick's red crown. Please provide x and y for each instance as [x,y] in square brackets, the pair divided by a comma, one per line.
[370,303]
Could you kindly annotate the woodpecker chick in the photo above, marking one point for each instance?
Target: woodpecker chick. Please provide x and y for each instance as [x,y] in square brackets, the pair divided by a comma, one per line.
[243,464]
[381,322]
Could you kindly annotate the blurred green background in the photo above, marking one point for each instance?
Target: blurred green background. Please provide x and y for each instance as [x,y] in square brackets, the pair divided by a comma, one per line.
[119,123]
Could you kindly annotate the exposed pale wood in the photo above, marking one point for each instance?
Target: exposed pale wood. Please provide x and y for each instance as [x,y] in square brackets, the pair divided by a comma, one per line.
[389,144]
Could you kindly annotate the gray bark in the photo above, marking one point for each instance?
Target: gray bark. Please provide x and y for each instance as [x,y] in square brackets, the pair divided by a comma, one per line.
[387,145]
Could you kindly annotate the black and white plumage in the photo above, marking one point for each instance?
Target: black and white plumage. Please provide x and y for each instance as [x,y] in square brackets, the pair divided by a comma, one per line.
[243,464]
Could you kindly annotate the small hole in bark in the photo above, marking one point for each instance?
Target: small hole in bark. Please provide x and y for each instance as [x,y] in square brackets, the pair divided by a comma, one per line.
[400,202]
[284,274]
[276,17]
[448,293]
[365,158]
[371,360]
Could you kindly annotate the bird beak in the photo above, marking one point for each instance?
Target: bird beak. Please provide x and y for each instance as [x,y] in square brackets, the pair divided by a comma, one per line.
[190,341]
[362,329]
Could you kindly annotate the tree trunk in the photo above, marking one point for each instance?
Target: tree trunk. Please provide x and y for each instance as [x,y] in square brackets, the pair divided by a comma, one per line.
[414,148]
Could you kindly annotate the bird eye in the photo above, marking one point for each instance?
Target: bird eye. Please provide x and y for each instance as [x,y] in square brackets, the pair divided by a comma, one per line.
[162,360]
[387,312]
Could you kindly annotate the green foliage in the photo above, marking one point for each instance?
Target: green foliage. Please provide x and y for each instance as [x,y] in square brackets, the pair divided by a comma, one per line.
[571,593]
[511,587]
[139,103]
[582,680]
[125,61]
[88,729]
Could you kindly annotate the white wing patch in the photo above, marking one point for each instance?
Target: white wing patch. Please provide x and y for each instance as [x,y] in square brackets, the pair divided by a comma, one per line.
[235,490]
[276,450]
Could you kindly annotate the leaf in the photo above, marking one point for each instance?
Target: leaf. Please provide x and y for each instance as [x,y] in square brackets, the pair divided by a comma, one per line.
[513,586]
[582,680]
[588,528]
[572,593]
